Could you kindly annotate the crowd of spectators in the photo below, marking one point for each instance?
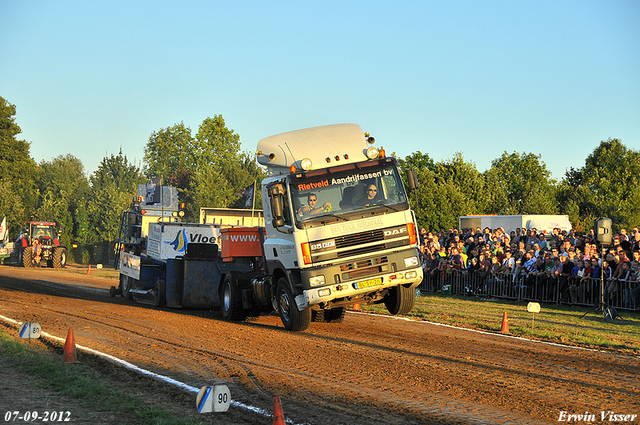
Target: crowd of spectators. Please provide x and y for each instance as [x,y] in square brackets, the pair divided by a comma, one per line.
[562,266]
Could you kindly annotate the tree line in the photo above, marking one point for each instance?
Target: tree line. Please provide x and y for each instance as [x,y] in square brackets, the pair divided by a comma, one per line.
[608,185]
[210,170]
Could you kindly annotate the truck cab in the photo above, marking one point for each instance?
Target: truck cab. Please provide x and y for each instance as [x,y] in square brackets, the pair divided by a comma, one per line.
[339,229]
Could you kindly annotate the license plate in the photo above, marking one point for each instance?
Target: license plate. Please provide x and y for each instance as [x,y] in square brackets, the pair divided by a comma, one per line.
[368,283]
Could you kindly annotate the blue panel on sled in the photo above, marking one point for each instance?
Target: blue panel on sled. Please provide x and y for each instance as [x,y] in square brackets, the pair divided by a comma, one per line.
[201,283]
[174,282]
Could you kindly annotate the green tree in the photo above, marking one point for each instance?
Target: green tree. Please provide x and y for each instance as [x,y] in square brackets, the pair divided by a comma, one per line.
[63,189]
[104,210]
[417,161]
[11,206]
[118,170]
[168,150]
[208,170]
[448,189]
[113,185]
[607,186]
[428,202]
[465,185]
[527,184]
[219,174]
[19,171]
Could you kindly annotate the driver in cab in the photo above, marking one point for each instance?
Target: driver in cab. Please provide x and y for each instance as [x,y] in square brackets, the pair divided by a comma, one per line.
[371,195]
[311,207]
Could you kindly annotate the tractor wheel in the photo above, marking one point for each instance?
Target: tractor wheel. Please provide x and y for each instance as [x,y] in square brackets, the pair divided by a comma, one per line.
[231,300]
[59,257]
[27,257]
[292,318]
[125,286]
[160,292]
[400,300]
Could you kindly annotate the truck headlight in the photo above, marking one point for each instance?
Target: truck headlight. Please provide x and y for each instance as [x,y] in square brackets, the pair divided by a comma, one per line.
[411,262]
[372,152]
[324,292]
[411,275]
[317,280]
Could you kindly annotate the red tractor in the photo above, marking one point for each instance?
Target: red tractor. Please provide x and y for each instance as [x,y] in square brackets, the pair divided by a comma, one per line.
[39,242]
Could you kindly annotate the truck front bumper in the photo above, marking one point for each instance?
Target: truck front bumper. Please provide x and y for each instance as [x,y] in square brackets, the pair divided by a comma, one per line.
[377,274]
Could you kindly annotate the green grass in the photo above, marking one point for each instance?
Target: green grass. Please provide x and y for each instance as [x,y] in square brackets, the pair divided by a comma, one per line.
[104,272]
[83,384]
[555,323]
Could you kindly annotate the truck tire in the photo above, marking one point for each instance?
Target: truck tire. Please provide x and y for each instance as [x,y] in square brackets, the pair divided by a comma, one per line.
[231,300]
[59,257]
[292,318]
[160,293]
[125,286]
[317,316]
[27,257]
[335,315]
[400,300]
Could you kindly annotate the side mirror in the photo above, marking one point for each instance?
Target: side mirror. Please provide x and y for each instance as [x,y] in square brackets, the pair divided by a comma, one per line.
[276,194]
[412,182]
[412,179]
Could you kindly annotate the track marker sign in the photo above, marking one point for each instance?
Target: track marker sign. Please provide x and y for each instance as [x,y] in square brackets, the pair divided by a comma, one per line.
[30,330]
[213,399]
[533,308]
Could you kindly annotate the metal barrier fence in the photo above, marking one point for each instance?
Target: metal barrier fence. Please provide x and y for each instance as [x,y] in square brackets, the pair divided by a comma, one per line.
[534,287]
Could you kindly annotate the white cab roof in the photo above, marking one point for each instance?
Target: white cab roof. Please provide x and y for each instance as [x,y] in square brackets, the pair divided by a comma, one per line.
[346,141]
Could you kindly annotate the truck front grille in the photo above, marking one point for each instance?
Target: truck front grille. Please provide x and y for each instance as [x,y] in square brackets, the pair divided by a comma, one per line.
[359,238]
[370,241]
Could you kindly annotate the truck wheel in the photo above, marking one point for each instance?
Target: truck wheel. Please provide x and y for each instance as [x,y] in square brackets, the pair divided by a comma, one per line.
[400,300]
[318,316]
[125,286]
[292,318]
[59,257]
[335,315]
[27,257]
[231,300]
[160,293]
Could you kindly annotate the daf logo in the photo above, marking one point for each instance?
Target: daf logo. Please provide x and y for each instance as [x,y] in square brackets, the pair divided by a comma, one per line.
[395,232]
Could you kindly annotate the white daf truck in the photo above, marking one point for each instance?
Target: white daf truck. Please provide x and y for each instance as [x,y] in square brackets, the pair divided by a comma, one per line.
[339,228]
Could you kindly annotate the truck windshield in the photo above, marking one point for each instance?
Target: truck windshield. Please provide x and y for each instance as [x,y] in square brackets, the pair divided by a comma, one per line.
[351,188]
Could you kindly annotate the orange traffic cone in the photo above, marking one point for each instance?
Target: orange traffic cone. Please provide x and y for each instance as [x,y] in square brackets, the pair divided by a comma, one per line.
[69,355]
[278,415]
[89,269]
[505,323]
[356,307]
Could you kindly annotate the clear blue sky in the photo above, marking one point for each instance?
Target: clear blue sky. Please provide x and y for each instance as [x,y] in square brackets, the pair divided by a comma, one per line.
[479,77]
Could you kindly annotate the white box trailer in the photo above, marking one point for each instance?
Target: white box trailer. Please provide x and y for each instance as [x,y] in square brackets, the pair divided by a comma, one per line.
[542,223]
[170,240]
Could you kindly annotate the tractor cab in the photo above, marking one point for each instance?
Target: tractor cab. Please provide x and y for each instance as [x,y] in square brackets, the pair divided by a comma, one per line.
[47,248]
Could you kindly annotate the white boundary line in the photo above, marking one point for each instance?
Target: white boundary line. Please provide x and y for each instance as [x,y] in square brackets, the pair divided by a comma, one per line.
[137,369]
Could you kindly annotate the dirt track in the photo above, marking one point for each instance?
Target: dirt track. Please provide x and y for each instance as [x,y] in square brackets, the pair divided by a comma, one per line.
[367,370]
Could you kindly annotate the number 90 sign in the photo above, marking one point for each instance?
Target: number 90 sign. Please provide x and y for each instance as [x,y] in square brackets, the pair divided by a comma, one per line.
[213,399]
